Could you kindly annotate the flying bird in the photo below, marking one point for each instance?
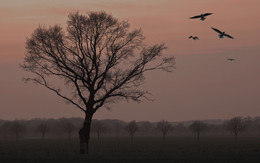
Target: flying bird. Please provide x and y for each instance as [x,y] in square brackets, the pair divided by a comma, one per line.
[222,34]
[231,59]
[201,16]
[194,38]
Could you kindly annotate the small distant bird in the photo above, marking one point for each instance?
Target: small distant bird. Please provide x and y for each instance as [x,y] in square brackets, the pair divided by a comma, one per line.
[201,16]
[222,34]
[231,59]
[194,38]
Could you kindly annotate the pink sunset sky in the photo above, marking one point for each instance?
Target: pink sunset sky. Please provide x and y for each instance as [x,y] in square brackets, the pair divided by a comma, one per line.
[204,84]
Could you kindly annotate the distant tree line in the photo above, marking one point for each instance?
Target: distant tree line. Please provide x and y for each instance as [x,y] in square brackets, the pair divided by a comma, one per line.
[67,128]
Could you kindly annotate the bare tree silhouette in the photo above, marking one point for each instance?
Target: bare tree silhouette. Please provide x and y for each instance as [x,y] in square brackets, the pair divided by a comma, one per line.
[197,127]
[164,127]
[236,125]
[99,59]
[19,129]
[43,128]
[131,128]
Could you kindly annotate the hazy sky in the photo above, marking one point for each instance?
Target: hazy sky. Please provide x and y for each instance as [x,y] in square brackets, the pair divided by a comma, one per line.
[204,84]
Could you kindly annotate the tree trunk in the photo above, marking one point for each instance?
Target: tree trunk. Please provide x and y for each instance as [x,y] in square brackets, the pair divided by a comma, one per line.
[163,137]
[84,134]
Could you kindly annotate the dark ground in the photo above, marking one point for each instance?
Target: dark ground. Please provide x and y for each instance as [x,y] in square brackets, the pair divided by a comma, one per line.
[143,149]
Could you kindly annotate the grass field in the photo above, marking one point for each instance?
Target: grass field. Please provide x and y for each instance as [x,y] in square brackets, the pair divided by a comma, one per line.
[143,149]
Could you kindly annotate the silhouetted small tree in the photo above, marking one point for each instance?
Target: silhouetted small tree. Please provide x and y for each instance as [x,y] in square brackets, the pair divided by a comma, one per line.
[197,127]
[43,129]
[98,127]
[236,125]
[131,128]
[19,129]
[164,127]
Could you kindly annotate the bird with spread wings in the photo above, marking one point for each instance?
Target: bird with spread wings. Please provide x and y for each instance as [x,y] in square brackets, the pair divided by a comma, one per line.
[201,16]
[194,38]
[222,34]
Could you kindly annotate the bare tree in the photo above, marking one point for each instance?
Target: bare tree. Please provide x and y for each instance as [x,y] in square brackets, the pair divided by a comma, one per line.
[43,128]
[69,128]
[197,127]
[98,127]
[236,125]
[99,59]
[131,128]
[164,127]
[19,129]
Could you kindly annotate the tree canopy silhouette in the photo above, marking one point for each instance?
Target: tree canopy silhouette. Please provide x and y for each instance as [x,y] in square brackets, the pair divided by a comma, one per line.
[43,128]
[197,127]
[236,125]
[131,128]
[99,58]
[164,127]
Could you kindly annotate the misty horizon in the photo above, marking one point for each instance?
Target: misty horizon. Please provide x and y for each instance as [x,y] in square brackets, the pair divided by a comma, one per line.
[207,120]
